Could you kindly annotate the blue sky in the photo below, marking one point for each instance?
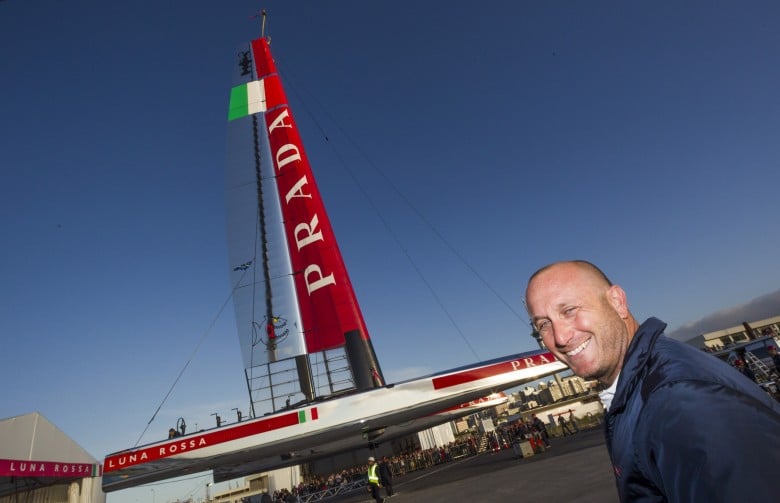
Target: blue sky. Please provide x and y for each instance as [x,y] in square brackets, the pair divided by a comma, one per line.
[641,136]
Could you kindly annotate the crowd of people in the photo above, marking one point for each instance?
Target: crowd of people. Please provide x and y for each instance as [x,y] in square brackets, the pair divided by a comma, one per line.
[767,376]
[409,461]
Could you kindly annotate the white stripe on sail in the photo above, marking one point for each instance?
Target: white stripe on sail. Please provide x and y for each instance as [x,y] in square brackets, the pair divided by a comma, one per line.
[255,97]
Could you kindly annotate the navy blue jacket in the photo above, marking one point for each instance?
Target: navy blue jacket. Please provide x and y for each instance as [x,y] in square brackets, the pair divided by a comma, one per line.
[686,427]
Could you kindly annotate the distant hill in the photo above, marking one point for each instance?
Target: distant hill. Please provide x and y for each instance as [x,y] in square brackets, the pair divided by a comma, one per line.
[759,308]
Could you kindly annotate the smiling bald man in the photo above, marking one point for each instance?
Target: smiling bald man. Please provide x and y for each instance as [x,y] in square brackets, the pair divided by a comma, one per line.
[681,425]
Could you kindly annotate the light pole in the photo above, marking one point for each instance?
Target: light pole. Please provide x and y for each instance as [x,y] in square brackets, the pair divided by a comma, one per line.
[153,495]
[208,497]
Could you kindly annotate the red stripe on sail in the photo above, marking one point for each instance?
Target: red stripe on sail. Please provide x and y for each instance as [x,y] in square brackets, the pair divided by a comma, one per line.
[264,61]
[325,295]
[495,369]
[274,95]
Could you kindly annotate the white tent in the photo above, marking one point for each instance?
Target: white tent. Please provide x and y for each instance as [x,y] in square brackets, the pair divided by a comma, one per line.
[38,462]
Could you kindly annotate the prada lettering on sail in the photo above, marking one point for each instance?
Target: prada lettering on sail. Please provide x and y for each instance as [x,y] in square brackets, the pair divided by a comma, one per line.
[305,233]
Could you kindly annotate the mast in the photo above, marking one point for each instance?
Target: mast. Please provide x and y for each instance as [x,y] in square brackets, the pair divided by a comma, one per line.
[302,332]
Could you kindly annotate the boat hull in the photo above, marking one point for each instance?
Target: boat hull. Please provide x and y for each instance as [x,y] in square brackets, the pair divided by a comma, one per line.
[324,428]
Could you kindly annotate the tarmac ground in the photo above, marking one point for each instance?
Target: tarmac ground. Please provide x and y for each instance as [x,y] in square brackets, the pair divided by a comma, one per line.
[575,469]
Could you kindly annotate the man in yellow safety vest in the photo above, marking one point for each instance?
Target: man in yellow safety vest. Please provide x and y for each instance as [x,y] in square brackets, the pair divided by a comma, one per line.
[373,480]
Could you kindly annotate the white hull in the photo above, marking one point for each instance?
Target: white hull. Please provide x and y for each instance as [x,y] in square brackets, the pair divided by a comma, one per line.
[324,428]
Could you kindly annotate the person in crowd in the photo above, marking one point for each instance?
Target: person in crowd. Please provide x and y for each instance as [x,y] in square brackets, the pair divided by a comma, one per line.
[573,422]
[564,428]
[386,476]
[744,369]
[539,426]
[671,409]
[373,480]
[742,364]
[775,358]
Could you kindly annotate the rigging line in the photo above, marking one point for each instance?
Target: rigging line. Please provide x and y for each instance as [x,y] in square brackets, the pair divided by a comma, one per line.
[396,238]
[192,356]
[406,252]
[410,205]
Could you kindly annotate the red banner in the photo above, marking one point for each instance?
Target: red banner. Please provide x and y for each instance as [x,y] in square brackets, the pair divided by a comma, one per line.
[326,299]
[60,469]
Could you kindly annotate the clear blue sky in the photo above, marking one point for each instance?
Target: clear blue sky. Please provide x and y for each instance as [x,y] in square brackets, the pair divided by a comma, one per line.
[641,136]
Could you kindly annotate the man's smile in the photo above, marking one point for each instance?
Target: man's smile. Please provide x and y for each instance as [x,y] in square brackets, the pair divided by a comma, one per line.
[578,349]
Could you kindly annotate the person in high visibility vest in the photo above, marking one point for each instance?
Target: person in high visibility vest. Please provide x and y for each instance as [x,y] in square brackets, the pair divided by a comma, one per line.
[373,480]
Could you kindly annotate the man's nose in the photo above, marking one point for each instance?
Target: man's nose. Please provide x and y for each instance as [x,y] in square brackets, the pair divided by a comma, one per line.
[562,333]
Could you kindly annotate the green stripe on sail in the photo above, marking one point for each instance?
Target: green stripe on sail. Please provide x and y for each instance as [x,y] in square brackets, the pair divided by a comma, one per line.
[239,102]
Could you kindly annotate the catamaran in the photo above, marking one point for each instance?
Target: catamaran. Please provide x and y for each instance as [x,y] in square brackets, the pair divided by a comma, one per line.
[315,384]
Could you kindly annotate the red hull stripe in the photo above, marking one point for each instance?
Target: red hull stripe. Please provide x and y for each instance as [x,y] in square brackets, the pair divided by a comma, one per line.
[495,369]
[195,442]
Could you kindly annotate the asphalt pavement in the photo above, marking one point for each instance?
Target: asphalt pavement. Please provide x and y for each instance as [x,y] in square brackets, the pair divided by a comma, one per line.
[575,469]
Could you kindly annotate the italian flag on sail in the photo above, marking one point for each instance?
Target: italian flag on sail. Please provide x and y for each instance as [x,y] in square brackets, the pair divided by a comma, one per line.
[254,97]
[307,415]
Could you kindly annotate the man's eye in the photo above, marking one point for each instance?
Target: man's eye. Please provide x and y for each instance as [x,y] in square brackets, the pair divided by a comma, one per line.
[569,312]
[543,325]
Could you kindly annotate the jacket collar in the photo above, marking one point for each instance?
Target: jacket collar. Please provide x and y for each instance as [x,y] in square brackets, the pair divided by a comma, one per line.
[635,360]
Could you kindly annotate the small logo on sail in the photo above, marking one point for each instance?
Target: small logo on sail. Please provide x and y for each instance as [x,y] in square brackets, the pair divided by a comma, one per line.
[270,332]
[243,267]
[245,63]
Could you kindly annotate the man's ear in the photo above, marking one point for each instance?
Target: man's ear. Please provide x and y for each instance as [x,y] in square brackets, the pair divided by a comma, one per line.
[616,296]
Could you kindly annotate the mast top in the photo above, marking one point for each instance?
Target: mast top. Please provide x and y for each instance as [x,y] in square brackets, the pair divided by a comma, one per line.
[262,15]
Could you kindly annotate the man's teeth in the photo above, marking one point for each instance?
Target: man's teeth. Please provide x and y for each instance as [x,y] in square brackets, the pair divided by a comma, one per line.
[578,349]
